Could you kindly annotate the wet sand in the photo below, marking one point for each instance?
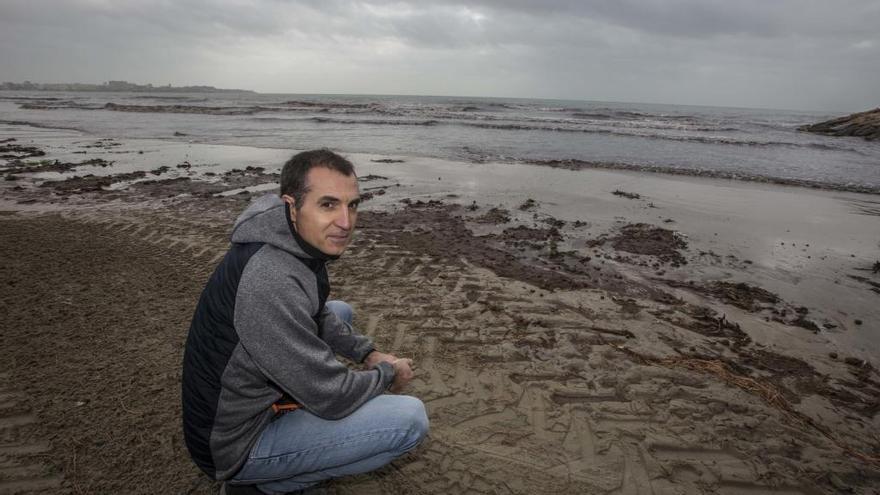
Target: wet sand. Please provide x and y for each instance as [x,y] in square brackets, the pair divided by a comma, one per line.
[575,343]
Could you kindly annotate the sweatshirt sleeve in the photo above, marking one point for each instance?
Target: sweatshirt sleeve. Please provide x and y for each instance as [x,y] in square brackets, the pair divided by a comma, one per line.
[343,338]
[276,330]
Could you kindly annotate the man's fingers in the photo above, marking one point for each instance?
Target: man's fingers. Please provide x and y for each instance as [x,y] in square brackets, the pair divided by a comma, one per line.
[403,368]
[401,381]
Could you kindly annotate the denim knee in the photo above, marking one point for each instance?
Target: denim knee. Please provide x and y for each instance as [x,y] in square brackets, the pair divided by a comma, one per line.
[415,417]
[341,309]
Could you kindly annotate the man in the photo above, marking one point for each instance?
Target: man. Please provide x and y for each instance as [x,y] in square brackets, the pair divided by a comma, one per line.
[267,407]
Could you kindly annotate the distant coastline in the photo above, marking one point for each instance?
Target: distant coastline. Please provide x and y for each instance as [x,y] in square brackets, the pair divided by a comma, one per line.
[114,86]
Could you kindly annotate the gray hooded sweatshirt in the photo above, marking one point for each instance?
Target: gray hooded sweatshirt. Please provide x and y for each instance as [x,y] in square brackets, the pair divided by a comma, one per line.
[261,332]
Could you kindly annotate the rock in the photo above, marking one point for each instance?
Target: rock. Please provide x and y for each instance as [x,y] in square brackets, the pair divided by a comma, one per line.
[863,124]
[852,361]
[838,484]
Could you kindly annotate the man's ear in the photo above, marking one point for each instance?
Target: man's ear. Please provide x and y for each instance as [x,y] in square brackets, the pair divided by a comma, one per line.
[291,203]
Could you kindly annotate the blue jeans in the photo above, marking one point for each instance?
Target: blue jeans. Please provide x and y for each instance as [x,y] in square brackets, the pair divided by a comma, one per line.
[299,449]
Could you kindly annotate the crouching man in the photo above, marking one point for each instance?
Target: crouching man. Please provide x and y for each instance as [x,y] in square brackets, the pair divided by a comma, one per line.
[267,407]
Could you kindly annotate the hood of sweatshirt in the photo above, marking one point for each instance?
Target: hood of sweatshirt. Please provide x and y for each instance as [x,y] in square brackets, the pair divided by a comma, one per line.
[267,220]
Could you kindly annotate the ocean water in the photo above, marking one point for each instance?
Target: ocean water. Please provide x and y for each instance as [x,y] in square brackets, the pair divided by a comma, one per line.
[744,144]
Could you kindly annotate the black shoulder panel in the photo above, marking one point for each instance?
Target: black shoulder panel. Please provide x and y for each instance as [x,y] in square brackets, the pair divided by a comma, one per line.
[209,345]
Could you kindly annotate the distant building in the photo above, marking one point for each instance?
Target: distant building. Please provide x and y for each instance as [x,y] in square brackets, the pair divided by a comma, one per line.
[112,86]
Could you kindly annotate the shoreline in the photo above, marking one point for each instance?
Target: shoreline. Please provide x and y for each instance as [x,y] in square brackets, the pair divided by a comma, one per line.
[567,164]
[574,162]
[568,337]
[711,174]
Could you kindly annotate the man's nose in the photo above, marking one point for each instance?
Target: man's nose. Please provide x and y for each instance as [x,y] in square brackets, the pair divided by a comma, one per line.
[343,220]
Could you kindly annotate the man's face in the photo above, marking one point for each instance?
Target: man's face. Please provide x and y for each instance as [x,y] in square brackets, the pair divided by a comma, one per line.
[326,215]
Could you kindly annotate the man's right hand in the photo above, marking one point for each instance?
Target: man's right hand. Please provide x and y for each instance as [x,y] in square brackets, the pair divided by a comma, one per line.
[403,374]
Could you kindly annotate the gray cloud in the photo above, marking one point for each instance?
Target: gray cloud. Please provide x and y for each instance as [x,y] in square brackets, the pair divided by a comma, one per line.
[786,53]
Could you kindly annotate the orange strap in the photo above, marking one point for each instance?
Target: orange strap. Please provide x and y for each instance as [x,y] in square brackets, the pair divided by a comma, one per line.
[290,406]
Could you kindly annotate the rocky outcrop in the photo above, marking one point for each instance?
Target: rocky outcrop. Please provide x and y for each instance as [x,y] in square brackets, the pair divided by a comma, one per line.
[863,124]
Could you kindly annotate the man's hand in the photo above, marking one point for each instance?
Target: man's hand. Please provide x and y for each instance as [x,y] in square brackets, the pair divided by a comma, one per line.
[377,357]
[403,374]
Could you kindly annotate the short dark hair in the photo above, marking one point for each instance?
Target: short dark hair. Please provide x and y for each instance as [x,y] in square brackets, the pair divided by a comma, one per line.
[293,175]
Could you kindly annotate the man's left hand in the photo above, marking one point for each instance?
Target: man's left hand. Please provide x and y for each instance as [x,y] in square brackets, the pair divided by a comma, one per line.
[377,357]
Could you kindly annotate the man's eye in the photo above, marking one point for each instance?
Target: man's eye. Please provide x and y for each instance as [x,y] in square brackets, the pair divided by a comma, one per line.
[354,206]
[326,205]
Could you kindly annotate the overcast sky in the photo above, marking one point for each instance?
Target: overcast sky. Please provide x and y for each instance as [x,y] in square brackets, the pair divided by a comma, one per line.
[799,54]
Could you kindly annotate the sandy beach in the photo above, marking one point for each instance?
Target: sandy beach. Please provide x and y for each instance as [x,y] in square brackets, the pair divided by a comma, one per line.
[574,331]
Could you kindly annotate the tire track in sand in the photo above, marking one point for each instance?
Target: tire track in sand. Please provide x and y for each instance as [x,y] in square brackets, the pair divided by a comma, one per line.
[524,392]
[21,467]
